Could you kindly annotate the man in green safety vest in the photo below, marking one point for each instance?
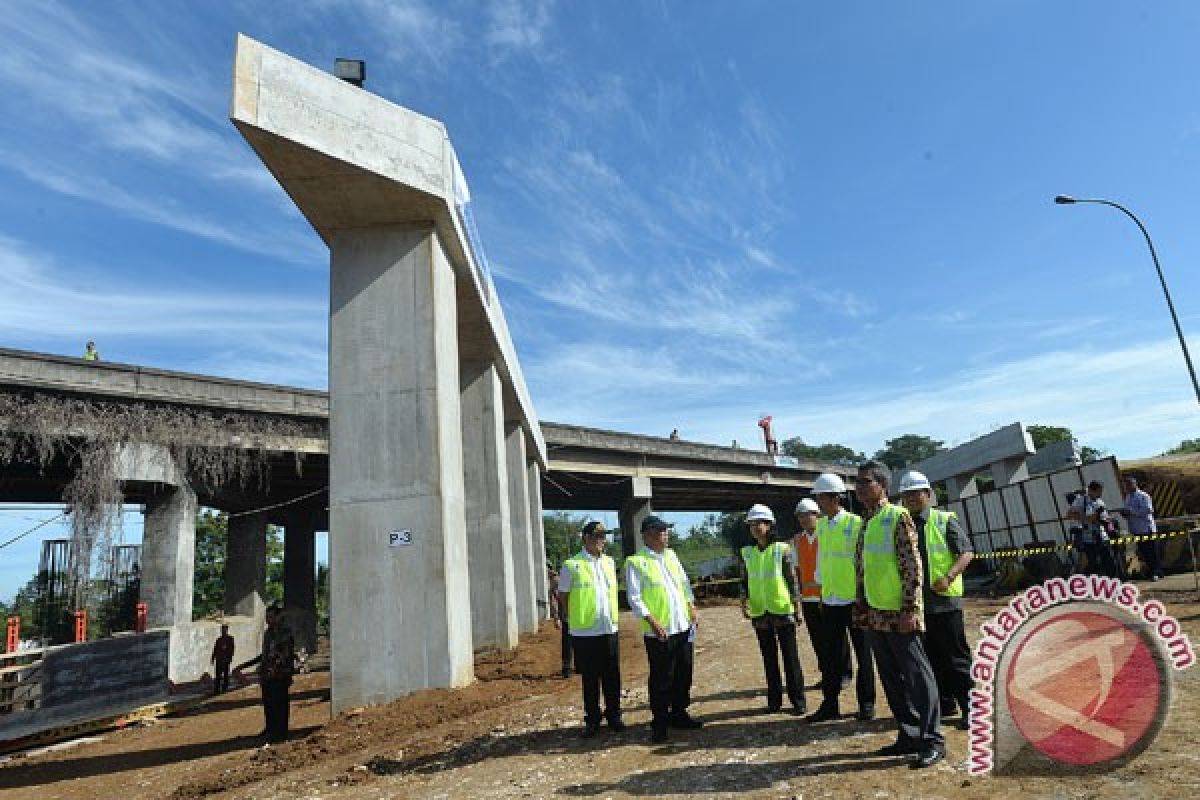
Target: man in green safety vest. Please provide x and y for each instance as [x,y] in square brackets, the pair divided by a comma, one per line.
[888,604]
[946,551]
[771,604]
[661,597]
[838,532]
[587,600]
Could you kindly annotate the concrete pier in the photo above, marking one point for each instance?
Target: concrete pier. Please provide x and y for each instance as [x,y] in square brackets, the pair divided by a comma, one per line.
[246,566]
[489,523]
[168,556]
[525,576]
[300,580]
[537,535]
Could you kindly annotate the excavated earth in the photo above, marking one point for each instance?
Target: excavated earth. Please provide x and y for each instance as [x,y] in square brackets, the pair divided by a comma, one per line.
[515,733]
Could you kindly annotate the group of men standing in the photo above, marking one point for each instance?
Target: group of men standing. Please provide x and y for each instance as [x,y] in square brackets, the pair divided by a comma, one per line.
[885,586]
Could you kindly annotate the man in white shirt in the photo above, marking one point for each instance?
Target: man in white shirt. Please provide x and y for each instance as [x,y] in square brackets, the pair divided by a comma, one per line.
[587,597]
[661,598]
[1139,512]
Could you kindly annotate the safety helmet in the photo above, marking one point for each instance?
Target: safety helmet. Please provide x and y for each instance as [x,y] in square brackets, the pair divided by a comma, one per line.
[912,481]
[828,483]
[807,506]
[760,512]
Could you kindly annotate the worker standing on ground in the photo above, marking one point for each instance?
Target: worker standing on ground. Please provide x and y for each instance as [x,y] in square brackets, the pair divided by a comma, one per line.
[946,550]
[222,657]
[587,598]
[888,577]
[768,569]
[662,599]
[804,545]
[837,533]
[90,353]
[276,665]
[1139,512]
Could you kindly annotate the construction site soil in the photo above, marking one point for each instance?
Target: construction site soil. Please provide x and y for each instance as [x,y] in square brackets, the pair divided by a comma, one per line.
[515,733]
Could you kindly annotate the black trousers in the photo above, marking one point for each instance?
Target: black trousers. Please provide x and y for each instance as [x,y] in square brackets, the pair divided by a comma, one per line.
[1100,559]
[1151,553]
[221,677]
[566,644]
[909,686]
[775,641]
[840,637]
[598,661]
[275,707]
[670,681]
[949,655]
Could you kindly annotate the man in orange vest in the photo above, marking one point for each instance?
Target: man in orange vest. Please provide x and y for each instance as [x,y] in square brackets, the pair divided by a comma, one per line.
[808,579]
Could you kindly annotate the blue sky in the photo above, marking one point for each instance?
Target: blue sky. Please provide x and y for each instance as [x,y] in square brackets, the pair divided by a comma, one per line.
[696,213]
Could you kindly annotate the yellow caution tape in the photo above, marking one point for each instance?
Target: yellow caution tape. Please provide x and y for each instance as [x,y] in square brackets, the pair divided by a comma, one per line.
[1033,551]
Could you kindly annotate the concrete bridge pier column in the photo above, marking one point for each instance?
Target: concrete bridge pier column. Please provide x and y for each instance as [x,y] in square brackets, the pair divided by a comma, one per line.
[524,574]
[400,607]
[489,526]
[168,557]
[246,566]
[538,534]
[629,517]
[300,581]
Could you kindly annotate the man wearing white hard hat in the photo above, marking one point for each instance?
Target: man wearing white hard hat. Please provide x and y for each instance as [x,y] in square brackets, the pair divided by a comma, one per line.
[946,550]
[837,533]
[808,575]
[768,569]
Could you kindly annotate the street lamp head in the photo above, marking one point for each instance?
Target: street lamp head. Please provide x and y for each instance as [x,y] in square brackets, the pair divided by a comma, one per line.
[1064,199]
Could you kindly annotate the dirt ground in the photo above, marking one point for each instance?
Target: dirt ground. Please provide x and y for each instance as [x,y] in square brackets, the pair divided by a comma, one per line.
[514,734]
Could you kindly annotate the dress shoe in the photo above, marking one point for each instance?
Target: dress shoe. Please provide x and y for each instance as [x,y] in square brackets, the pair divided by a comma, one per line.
[685,721]
[825,714]
[866,712]
[658,735]
[616,725]
[927,757]
[773,708]
[800,710]
[590,729]
[898,749]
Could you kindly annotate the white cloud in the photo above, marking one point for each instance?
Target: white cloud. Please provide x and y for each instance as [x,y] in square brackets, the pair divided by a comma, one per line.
[518,25]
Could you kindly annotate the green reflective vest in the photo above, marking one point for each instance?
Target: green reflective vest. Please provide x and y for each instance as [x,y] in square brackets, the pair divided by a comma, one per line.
[582,605]
[765,575]
[835,555]
[654,588]
[881,571]
[941,558]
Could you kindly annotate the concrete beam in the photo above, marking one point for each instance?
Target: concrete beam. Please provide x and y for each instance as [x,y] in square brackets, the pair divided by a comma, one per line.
[1005,444]
[488,516]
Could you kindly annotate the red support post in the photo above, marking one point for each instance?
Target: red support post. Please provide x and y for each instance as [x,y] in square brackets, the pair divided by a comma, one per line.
[80,626]
[13,640]
[140,624]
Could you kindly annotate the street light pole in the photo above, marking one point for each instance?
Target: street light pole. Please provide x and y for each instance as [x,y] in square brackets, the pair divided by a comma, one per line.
[1064,200]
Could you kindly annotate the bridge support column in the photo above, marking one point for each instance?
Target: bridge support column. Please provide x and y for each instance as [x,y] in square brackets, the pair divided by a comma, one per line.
[246,566]
[538,534]
[168,557]
[489,527]
[399,591]
[524,574]
[300,581]
[629,517]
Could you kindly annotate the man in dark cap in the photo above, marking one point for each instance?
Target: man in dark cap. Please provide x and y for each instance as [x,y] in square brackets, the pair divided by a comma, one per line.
[661,597]
[587,601]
